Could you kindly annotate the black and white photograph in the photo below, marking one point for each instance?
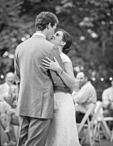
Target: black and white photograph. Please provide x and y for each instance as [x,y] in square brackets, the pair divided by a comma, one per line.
[56,72]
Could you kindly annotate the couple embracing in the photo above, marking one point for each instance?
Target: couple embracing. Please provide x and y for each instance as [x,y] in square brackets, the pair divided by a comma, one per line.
[45,77]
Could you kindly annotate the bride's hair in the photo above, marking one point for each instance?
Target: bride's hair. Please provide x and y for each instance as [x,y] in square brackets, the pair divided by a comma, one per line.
[68,40]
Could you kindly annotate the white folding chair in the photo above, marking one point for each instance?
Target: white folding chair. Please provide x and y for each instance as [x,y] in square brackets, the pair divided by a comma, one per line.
[107,119]
[100,123]
[82,125]
[97,122]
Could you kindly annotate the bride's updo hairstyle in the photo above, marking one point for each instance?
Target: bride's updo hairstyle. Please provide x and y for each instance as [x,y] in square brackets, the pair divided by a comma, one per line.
[68,40]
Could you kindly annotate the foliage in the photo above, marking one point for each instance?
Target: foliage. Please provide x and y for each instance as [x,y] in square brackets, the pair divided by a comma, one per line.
[90,23]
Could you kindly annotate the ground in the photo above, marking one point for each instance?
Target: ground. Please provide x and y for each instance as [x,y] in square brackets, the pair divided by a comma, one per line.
[104,142]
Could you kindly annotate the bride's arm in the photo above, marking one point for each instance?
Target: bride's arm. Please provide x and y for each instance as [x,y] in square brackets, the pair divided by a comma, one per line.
[66,75]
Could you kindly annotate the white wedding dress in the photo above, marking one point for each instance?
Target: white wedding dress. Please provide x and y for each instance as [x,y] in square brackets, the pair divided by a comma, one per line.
[63,130]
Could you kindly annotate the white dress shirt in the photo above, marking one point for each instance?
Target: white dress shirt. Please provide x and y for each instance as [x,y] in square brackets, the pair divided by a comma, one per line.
[84,97]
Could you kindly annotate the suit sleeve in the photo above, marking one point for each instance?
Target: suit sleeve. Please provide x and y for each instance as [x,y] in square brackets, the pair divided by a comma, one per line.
[57,81]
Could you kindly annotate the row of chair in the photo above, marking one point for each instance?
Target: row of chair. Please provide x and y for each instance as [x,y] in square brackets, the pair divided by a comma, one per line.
[96,127]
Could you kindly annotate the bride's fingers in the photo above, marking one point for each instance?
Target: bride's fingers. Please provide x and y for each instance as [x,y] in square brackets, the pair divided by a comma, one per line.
[46,67]
[48,59]
[45,64]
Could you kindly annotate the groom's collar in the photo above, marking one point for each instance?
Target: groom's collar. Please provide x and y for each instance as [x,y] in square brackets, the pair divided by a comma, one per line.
[39,34]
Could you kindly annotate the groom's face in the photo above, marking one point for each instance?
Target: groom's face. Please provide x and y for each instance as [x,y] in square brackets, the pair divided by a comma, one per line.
[51,31]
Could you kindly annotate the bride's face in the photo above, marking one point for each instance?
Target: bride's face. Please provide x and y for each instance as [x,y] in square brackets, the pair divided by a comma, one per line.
[57,38]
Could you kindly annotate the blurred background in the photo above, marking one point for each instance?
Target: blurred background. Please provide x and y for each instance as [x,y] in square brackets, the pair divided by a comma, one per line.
[90,22]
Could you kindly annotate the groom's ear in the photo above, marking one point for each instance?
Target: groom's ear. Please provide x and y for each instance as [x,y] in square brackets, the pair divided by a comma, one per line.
[48,25]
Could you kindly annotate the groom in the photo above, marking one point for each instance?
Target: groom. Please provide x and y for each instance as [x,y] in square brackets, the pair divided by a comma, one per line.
[35,101]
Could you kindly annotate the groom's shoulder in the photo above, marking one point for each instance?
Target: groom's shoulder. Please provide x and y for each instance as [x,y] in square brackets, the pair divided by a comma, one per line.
[49,44]
[24,43]
[53,46]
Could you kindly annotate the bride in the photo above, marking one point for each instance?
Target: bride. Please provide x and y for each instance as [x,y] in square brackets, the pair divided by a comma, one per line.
[63,130]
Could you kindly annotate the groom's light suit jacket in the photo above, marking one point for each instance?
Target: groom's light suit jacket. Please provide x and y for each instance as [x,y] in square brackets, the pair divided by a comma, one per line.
[36,83]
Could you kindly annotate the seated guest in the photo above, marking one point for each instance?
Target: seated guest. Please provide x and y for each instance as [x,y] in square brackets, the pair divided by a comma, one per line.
[11,135]
[84,97]
[13,120]
[8,90]
[9,114]
[8,96]
[107,99]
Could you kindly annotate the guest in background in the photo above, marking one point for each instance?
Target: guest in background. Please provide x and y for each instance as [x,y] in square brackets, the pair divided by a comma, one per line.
[84,97]
[107,99]
[12,140]
[9,113]
[8,90]
[8,95]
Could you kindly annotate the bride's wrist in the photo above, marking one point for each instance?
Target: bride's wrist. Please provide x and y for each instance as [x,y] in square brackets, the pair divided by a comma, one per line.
[60,71]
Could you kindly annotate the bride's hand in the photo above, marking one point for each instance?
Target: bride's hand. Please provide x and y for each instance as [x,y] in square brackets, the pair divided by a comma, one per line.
[50,64]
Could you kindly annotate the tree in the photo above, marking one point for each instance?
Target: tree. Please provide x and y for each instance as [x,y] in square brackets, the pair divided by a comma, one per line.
[88,21]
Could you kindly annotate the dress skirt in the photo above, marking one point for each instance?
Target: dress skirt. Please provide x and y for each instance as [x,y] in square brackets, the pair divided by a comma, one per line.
[63,129]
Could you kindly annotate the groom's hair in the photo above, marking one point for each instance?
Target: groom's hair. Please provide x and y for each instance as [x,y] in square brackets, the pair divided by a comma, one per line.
[43,19]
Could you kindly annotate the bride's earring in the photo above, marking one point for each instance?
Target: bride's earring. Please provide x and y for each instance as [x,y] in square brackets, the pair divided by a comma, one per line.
[63,43]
